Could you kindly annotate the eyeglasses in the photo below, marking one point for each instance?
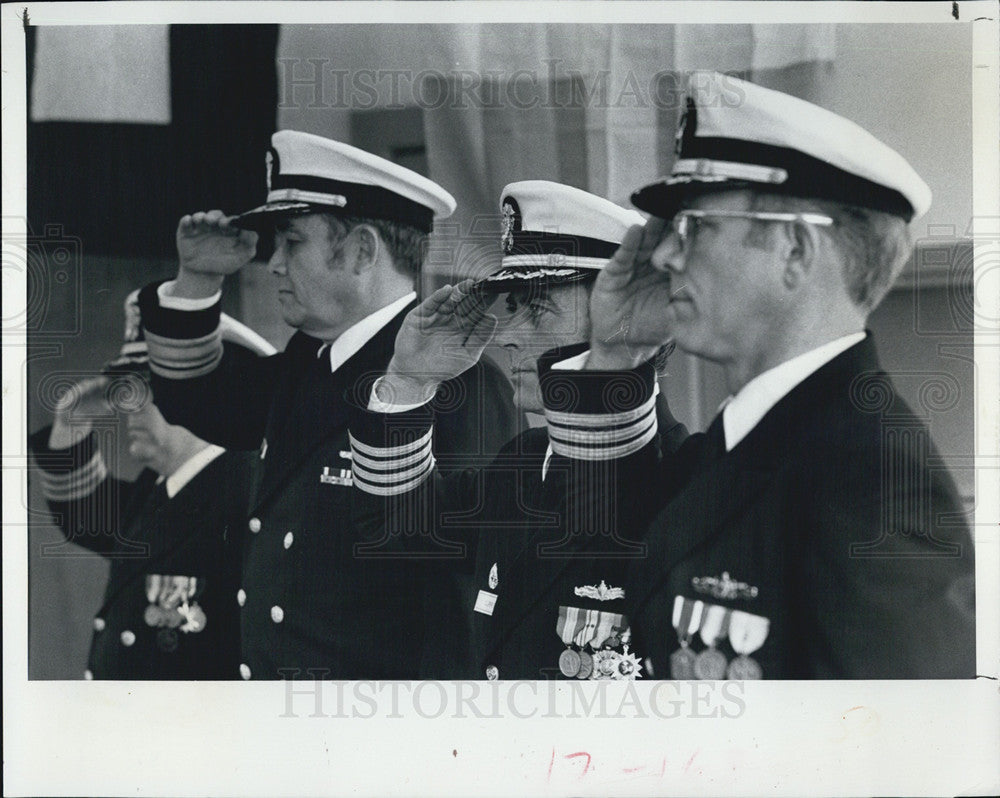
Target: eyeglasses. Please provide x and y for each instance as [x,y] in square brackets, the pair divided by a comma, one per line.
[684,223]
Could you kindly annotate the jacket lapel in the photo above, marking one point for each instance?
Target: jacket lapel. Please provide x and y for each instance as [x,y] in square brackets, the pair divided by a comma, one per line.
[310,407]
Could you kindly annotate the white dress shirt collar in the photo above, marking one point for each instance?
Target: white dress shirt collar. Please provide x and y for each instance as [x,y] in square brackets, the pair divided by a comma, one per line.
[190,468]
[351,340]
[742,412]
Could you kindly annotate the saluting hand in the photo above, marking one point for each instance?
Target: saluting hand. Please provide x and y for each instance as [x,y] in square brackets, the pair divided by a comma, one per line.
[628,303]
[75,410]
[209,247]
[440,338]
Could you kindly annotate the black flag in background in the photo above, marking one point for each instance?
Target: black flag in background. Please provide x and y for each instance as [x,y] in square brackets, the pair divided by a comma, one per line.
[120,187]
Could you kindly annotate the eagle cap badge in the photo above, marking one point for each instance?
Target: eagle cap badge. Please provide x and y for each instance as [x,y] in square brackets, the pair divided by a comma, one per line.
[273,165]
[511,222]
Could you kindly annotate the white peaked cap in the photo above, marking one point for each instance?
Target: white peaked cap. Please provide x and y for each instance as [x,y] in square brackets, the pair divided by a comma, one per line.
[309,174]
[556,233]
[736,134]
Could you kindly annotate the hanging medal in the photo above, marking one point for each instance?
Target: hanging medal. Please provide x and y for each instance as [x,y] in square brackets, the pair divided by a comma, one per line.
[711,663]
[629,667]
[153,616]
[568,626]
[584,637]
[193,615]
[686,621]
[747,633]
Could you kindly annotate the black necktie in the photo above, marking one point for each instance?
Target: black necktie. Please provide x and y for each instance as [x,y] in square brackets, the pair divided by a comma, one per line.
[159,497]
[715,440]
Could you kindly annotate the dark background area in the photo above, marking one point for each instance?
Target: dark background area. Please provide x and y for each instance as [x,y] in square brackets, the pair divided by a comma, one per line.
[103,205]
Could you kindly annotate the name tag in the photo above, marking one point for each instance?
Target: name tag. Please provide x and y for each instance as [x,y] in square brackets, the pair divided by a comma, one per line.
[343,477]
[485,602]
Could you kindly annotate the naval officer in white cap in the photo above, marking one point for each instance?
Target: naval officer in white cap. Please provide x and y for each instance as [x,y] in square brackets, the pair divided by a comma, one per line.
[809,534]
[535,605]
[316,600]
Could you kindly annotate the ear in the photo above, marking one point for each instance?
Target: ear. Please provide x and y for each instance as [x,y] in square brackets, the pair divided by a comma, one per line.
[369,247]
[799,248]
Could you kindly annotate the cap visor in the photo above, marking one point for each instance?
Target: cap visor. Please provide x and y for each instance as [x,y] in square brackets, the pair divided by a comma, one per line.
[264,217]
[665,198]
[515,278]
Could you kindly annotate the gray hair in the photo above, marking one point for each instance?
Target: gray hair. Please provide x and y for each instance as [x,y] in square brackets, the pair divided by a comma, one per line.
[873,245]
[407,245]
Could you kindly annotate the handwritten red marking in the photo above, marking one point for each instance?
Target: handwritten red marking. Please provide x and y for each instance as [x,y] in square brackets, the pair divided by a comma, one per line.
[586,767]
[688,765]
[551,762]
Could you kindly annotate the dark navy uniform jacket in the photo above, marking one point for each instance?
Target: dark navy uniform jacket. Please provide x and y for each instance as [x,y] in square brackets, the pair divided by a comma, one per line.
[144,534]
[839,520]
[317,598]
[539,540]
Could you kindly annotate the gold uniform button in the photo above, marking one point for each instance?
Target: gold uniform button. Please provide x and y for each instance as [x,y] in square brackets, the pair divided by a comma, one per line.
[241,597]
[245,671]
[492,673]
[288,540]
[99,624]
[277,614]
[88,675]
[254,525]
[128,638]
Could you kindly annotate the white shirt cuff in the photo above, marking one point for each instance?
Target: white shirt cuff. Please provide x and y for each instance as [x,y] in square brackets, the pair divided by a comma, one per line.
[376,405]
[171,302]
[575,363]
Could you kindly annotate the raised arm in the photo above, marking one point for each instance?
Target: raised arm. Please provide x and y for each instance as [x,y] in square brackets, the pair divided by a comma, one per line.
[85,500]
[221,395]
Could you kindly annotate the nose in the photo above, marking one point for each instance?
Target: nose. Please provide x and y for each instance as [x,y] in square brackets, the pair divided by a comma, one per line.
[276,265]
[504,339]
[668,255]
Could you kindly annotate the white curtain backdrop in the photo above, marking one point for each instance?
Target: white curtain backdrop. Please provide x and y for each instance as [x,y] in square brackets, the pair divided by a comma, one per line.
[592,106]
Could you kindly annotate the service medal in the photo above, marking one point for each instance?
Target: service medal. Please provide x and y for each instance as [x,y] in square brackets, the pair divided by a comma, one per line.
[747,633]
[682,663]
[569,663]
[570,622]
[153,616]
[744,668]
[173,618]
[153,582]
[606,664]
[586,666]
[494,578]
[629,667]
[711,663]
[686,621]
[194,617]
